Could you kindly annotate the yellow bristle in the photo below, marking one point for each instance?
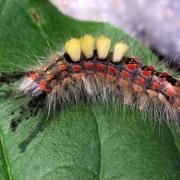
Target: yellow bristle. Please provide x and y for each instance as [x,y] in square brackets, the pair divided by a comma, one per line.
[103,44]
[87,45]
[119,50]
[72,47]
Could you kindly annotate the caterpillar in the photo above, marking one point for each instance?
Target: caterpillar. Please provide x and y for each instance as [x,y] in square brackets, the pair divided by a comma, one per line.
[89,69]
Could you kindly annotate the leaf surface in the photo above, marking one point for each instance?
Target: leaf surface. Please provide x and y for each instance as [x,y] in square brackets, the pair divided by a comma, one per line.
[82,142]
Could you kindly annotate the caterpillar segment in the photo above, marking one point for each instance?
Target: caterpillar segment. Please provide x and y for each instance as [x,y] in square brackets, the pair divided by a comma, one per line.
[88,67]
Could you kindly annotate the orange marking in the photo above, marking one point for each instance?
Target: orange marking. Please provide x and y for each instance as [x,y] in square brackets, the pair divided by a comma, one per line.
[169,92]
[152,93]
[42,86]
[155,86]
[123,83]
[140,80]
[62,67]
[124,74]
[50,76]
[110,78]
[111,70]
[100,67]
[137,88]
[100,75]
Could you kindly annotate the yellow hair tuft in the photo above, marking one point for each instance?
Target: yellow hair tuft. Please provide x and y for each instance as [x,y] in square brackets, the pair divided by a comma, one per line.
[119,50]
[72,47]
[103,44]
[87,44]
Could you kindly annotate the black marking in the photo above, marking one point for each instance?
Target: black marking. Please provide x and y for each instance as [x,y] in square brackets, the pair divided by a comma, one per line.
[68,59]
[9,78]
[31,109]
[171,80]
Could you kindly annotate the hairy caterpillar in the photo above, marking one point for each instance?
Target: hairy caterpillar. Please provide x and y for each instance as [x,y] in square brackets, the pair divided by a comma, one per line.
[88,69]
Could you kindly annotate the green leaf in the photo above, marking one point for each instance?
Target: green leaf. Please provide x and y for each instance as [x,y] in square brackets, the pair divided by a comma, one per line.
[83,141]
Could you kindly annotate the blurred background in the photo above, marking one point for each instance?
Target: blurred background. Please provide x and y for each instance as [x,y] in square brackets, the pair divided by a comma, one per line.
[155,23]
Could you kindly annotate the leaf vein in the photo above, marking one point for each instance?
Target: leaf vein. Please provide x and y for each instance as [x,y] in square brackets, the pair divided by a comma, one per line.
[99,137]
[5,158]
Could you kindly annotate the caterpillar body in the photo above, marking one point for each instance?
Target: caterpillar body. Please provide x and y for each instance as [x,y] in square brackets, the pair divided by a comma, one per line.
[88,68]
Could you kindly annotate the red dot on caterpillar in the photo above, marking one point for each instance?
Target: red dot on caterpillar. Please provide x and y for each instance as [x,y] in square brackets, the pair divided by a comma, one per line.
[76,68]
[62,67]
[131,67]
[125,74]
[88,66]
[155,86]
[140,80]
[43,86]
[145,73]
[111,70]
[100,67]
